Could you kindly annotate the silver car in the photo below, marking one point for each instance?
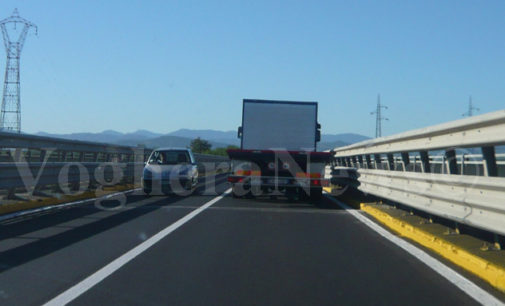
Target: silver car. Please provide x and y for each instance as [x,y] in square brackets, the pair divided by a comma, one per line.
[170,170]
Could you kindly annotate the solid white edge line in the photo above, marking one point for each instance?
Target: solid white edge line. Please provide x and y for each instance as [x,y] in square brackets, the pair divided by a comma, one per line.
[72,293]
[468,287]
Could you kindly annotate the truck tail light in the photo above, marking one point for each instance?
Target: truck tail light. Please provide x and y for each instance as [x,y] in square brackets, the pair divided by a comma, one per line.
[243,172]
[248,173]
[308,175]
[235,179]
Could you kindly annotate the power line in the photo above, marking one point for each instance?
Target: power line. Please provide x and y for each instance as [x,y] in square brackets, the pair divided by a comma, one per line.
[471,108]
[378,117]
[14,39]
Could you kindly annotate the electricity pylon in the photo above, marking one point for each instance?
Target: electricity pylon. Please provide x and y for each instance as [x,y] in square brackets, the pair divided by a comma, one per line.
[471,108]
[14,31]
[379,117]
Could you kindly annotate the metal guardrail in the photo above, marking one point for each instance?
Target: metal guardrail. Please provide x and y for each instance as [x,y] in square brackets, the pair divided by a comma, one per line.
[451,170]
[32,163]
[24,141]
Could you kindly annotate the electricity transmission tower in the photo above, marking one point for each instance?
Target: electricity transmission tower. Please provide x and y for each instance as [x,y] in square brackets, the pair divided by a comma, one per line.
[471,108]
[14,31]
[379,117]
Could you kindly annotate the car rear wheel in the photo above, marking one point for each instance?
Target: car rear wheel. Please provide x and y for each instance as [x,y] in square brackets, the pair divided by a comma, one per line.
[147,186]
[147,192]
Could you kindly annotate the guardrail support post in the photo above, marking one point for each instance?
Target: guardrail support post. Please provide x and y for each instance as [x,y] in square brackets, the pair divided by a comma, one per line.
[406,160]
[42,155]
[360,161]
[368,162]
[488,155]
[17,155]
[11,192]
[450,155]
[463,160]
[391,162]
[138,158]
[378,161]
[425,162]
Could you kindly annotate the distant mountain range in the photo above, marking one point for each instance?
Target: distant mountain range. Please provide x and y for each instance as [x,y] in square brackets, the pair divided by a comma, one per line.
[183,137]
[347,138]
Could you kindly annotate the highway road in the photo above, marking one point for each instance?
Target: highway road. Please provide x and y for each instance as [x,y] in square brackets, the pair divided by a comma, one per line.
[228,252]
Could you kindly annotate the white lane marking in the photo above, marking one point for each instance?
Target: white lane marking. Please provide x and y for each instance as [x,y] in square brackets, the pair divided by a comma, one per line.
[86,284]
[474,291]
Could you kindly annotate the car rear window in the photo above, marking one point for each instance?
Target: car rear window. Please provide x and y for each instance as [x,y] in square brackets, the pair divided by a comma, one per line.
[171,157]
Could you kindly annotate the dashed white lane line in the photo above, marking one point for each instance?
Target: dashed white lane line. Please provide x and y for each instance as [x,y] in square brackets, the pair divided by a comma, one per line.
[468,287]
[86,284]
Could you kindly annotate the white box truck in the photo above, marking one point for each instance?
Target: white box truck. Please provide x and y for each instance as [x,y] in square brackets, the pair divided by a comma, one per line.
[278,153]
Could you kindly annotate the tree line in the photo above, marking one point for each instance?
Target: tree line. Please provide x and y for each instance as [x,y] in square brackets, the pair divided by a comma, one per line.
[202,146]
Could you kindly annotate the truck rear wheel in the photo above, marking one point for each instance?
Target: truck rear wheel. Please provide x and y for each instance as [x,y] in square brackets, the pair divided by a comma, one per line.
[316,193]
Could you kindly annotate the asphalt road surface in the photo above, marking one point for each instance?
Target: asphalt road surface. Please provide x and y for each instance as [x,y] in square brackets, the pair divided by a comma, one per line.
[235,252]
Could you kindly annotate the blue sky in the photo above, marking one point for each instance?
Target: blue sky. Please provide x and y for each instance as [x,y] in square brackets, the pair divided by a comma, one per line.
[165,65]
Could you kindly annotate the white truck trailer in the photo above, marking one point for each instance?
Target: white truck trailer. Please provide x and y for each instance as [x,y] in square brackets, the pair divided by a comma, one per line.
[278,150]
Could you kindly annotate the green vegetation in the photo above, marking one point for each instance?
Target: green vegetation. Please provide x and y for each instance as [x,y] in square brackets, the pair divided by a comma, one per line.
[220,151]
[202,146]
[199,145]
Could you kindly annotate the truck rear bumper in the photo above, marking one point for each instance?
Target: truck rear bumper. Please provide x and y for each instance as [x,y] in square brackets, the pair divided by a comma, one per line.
[268,181]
